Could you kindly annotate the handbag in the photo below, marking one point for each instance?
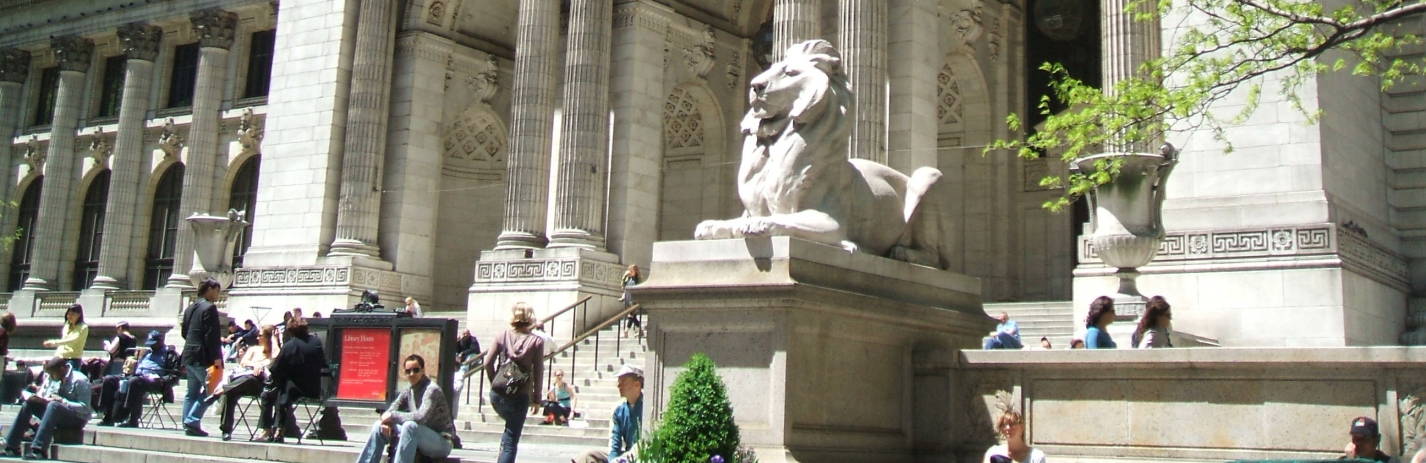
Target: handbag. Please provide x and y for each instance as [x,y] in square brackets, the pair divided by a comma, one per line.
[509,377]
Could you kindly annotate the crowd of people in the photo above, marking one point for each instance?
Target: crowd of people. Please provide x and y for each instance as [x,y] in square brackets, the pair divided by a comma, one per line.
[1152,331]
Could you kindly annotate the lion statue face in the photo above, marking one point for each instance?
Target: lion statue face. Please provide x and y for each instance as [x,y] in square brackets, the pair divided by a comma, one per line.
[793,90]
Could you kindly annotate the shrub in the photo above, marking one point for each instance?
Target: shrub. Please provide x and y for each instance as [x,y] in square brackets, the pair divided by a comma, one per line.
[698,424]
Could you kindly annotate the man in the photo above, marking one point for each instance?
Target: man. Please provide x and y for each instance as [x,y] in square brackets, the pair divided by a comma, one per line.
[63,403]
[1006,335]
[466,346]
[201,350]
[626,421]
[1045,343]
[121,396]
[1365,439]
[419,419]
[295,373]
[467,354]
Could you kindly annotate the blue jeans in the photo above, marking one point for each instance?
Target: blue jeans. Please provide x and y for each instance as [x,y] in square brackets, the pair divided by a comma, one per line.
[52,416]
[411,437]
[193,405]
[1002,341]
[513,410]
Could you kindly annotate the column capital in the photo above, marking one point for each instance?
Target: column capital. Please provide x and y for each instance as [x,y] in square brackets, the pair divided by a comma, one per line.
[139,40]
[214,27]
[72,52]
[14,65]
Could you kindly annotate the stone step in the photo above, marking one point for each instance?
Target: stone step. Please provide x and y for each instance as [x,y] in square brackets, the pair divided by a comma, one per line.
[97,454]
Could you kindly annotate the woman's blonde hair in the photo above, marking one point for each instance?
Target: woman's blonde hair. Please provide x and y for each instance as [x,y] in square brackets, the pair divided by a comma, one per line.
[522,315]
[1008,418]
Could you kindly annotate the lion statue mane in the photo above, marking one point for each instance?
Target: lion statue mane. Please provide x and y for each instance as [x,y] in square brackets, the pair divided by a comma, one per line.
[796,179]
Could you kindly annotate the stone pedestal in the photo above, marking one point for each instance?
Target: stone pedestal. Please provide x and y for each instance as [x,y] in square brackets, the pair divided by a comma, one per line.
[824,352]
[333,283]
[547,279]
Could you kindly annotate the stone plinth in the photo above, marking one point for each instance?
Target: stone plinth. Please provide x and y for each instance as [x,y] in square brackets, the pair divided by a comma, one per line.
[547,279]
[336,283]
[822,350]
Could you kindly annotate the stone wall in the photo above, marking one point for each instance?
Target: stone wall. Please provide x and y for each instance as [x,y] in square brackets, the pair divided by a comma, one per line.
[1191,404]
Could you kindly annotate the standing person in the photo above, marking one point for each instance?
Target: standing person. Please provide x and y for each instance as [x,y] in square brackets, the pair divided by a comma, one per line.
[527,351]
[1154,326]
[631,322]
[247,381]
[1011,427]
[624,436]
[413,307]
[295,372]
[70,345]
[1006,335]
[419,419]
[1365,439]
[1101,314]
[62,403]
[200,350]
[559,401]
[7,328]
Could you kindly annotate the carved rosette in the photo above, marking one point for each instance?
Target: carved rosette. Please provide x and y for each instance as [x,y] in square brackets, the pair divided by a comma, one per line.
[72,52]
[14,65]
[249,131]
[168,139]
[139,41]
[214,27]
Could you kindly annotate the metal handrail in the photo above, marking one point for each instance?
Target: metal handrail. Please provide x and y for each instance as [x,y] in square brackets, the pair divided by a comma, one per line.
[567,308]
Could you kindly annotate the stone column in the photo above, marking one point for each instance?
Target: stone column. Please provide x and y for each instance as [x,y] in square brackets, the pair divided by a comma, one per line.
[359,210]
[584,131]
[214,28]
[140,44]
[794,21]
[861,37]
[1127,44]
[73,54]
[14,68]
[532,123]
[913,30]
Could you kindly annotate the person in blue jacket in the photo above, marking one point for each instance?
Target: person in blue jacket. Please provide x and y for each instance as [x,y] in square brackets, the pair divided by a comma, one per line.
[624,436]
[1101,314]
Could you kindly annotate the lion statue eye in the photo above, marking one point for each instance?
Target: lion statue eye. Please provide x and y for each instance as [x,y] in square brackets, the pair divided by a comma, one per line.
[790,71]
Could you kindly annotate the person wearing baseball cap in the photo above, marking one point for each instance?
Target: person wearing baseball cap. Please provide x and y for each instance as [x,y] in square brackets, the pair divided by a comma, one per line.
[1365,439]
[627,416]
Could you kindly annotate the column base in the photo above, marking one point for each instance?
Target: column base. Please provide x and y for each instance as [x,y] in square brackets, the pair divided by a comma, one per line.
[520,240]
[353,248]
[576,239]
[38,284]
[780,313]
[106,282]
[179,281]
[548,279]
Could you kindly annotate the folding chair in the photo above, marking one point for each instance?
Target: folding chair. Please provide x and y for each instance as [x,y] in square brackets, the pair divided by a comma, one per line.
[313,408]
[245,403]
[156,410]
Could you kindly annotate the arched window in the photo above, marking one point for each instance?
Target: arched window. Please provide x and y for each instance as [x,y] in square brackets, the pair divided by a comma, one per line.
[163,228]
[25,225]
[91,231]
[243,197]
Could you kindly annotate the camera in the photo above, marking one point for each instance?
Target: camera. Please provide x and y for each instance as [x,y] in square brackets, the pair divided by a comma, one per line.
[370,302]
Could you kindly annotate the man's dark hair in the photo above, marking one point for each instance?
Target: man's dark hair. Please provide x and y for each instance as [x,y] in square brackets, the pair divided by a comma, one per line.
[55,363]
[208,283]
[416,358]
[297,327]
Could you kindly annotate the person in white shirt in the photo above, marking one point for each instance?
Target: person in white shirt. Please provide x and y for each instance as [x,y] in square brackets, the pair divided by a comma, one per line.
[1011,427]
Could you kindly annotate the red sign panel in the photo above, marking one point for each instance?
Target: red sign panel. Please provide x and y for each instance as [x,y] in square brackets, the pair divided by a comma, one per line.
[366,358]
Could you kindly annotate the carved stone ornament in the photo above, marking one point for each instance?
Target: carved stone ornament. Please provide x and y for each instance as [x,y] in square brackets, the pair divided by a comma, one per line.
[140,41]
[214,27]
[700,57]
[436,13]
[734,70]
[249,130]
[34,155]
[484,84]
[14,65]
[72,52]
[966,26]
[168,139]
[101,146]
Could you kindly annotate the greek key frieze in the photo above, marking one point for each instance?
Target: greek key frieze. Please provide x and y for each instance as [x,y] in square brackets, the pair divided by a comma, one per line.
[526,270]
[1218,244]
[292,276]
[1240,242]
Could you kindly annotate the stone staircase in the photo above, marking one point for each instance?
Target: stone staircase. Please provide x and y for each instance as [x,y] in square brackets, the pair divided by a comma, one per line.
[1052,319]
[1404,112]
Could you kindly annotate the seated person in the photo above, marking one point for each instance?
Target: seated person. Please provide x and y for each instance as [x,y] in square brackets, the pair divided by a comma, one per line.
[61,403]
[1365,440]
[1006,335]
[121,396]
[295,372]
[419,419]
[246,380]
[120,348]
[559,401]
[624,435]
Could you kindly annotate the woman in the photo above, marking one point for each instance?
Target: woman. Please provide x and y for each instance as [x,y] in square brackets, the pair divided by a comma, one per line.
[631,278]
[70,345]
[1101,314]
[559,401]
[527,350]
[1011,427]
[247,379]
[1154,326]
[413,307]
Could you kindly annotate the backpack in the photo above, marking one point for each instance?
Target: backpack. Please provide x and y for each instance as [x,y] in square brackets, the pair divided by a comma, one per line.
[510,376]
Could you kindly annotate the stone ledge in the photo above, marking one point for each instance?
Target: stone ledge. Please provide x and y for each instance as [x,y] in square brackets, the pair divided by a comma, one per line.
[1223,357]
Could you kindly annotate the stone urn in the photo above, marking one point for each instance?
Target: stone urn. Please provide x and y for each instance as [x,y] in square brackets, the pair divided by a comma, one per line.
[1126,217]
[213,240]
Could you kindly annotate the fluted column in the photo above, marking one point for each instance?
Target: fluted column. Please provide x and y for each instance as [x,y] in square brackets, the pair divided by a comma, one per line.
[214,28]
[584,130]
[73,54]
[140,46]
[795,21]
[1128,43]
[532,107]
[14,67]
[861,37]
[359,207]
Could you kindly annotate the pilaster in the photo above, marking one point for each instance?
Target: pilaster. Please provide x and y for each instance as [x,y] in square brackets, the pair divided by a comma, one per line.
[359,209]
[638,91]
[215,31]
[61,167]
[580,188]
[531,124]
[861,37]
[794,21]
[140,44]
[912,45]
[14,67]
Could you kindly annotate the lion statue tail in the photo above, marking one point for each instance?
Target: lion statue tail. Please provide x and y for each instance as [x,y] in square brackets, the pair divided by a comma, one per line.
[930,237]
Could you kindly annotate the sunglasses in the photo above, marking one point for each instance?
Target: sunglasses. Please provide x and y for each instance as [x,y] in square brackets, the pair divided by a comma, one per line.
[412,371]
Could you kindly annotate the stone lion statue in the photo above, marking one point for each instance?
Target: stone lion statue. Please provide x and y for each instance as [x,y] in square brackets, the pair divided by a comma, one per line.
[795,178]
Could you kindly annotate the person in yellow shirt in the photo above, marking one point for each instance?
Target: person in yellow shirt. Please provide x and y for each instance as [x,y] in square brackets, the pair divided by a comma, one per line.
[70,345]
